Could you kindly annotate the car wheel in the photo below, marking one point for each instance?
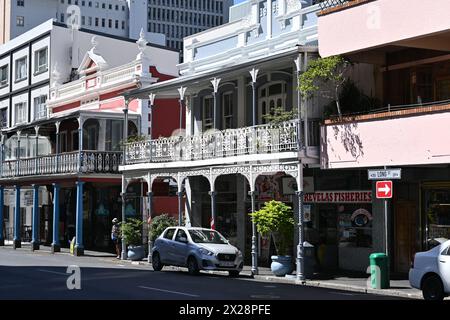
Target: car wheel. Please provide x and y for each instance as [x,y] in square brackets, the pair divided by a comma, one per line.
[156,262]
[432,289]
[233,273]
[193,266]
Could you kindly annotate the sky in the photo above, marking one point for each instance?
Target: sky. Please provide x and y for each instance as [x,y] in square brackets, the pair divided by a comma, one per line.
[238,1]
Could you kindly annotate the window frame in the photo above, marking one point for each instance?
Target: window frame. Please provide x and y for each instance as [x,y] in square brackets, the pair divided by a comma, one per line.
[40,68]
[207,125]
[38,112]
[20,19]
[229,116]
[16,62]
[167,231]
[18,112]
[4,82]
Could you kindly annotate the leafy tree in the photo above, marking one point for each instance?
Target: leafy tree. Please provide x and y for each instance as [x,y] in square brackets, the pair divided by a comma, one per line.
[276,218]
[324,76]
[279,115]
[131,231]
[159,224]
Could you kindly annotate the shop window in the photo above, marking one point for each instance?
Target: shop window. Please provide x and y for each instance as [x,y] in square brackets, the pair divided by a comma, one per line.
[437,215]
[355,226]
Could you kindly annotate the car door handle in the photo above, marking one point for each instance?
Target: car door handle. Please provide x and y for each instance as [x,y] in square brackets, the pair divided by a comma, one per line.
[441,261]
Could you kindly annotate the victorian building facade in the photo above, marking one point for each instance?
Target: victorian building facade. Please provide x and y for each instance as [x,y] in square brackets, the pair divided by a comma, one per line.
[63,134]
[229,159]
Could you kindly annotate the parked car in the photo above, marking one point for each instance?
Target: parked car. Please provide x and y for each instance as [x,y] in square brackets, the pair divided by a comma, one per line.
[197,249]
[430,272]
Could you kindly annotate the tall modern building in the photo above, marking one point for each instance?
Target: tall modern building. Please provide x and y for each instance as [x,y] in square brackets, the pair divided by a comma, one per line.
[122,18]
[181,18]
[166,22]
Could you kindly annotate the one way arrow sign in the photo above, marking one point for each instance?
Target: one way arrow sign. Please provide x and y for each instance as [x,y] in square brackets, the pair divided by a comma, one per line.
[384,189]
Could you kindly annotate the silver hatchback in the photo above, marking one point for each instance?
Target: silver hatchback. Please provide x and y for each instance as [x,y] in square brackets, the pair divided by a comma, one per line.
[197,249]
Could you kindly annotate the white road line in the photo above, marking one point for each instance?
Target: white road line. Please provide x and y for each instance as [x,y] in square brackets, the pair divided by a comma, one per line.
[168,291]
[344,294]
[54,272]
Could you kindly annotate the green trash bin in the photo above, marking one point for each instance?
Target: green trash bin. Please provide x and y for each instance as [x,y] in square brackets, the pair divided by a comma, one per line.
[379,271]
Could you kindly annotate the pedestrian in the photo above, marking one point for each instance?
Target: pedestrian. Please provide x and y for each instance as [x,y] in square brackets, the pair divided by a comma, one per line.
[115,236]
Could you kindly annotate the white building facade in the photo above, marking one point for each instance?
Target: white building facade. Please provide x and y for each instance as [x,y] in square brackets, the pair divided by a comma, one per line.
[230,158]
[60,96]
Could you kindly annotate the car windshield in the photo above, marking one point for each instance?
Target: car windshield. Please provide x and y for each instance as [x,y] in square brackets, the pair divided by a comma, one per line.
[207,236]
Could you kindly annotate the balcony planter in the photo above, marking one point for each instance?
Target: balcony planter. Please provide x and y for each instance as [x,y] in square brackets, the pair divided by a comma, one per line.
[281,265]
[136,253]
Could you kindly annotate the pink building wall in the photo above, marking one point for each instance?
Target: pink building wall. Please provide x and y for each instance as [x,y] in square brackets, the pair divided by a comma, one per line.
[409,140]
[382,22]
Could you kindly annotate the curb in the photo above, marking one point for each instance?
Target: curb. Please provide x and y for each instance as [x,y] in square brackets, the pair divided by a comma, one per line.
[338,286]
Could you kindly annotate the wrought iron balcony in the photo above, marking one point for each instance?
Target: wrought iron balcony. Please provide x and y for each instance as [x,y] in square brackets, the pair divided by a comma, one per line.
[325,4]
[262,139]
[64,163]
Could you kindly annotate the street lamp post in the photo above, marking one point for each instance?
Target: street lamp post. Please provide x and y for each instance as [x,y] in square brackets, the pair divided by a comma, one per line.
[254,74]
[124,187]
[299,193]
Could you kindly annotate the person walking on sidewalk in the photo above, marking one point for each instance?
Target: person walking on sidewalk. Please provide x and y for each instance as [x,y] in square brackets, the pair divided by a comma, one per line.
[115,236]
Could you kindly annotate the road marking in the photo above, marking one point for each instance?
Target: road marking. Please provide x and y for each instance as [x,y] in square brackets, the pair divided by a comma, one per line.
[168,291]
[264,296]
[344,293]
[54,272]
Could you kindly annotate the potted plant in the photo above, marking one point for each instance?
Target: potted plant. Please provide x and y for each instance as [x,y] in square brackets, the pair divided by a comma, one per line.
[156,227]
[132,234]
[277,219]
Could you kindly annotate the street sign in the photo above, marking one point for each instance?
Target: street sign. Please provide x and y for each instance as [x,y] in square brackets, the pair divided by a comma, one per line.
[384,189]
[391,174]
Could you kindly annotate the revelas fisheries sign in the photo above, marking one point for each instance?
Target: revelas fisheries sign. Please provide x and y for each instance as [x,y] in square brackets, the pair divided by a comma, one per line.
[338,197]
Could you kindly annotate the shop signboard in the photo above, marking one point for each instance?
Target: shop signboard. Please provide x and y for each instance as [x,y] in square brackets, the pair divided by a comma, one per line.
[339,197]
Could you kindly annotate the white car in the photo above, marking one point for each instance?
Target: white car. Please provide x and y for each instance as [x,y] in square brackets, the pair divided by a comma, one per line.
[430,272]
[197,249]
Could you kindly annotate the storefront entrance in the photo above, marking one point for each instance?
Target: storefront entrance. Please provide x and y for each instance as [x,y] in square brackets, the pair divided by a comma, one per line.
[405,213]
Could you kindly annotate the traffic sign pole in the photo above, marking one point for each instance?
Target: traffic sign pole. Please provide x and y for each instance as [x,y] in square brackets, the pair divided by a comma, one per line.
[386,223]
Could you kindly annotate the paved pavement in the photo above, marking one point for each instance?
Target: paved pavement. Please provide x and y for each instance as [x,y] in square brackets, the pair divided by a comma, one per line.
[42,275]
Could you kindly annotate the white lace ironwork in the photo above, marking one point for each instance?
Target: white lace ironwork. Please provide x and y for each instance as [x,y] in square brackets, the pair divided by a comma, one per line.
[262,139]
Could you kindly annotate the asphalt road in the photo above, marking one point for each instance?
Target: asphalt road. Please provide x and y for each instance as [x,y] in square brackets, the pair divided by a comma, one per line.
[41,275]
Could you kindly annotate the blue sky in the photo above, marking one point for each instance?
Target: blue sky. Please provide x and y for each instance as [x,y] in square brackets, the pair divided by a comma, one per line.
[238,1]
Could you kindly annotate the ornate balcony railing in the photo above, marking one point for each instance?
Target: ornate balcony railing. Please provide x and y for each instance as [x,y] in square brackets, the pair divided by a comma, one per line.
[64,163]
[262,139]
[325,4]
